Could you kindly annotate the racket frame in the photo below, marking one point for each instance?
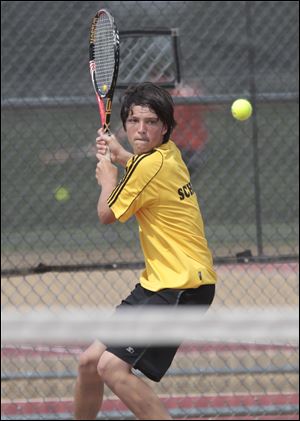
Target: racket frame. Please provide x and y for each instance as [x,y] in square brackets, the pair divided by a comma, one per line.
[104,99]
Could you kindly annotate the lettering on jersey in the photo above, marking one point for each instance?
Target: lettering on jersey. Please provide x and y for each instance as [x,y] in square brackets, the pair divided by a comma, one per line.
[185,191]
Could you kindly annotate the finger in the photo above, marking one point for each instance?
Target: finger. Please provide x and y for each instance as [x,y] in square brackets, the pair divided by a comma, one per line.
[101,144]
[100,139]
[101,134]
[101,148]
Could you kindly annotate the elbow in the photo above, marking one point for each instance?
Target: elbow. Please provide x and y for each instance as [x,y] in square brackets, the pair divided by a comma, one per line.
[105,221]
[106,218]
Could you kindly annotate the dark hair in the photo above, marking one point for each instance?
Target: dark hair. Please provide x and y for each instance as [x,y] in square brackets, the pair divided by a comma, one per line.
[156,98]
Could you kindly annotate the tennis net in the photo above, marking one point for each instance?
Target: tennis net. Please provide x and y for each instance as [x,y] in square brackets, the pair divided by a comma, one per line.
[233,363]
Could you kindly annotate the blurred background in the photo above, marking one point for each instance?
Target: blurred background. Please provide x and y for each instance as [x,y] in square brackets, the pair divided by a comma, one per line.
[54,252]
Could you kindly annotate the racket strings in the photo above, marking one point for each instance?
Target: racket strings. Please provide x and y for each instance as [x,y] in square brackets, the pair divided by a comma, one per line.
[104,52]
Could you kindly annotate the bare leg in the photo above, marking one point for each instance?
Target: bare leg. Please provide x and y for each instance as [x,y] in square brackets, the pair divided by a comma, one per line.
[89,385]
[133,391]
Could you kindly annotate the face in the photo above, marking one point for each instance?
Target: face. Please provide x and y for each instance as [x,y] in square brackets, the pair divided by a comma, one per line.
[144,129]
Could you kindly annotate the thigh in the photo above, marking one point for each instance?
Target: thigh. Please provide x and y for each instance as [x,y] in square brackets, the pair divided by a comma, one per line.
[137,297]
[202,296]
[109,364]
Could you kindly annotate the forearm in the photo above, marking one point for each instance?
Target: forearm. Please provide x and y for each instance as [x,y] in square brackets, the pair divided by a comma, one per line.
[105,214]
[123,156]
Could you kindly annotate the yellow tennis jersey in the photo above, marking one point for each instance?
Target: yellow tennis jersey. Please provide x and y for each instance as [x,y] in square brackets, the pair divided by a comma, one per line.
[156,188]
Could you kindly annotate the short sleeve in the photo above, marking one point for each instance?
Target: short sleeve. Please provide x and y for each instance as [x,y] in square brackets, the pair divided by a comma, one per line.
[132,193]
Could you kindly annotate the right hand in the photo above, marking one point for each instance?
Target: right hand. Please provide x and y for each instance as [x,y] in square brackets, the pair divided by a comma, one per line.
[106,174]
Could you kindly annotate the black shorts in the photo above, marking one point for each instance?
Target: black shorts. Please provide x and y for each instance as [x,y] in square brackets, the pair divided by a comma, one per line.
[154,361]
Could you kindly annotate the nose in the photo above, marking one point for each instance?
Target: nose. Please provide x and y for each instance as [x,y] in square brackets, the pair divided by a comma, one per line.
[142,127]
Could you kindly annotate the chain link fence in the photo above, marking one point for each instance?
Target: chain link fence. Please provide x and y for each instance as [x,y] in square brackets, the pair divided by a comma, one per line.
[55,252]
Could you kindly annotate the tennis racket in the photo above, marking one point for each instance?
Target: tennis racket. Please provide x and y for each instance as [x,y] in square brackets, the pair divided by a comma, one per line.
[104,63]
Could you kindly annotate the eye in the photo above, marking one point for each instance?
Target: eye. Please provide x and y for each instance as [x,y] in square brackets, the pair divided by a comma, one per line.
[132,120]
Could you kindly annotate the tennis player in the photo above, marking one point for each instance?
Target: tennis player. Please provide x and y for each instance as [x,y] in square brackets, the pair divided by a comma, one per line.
[156,189]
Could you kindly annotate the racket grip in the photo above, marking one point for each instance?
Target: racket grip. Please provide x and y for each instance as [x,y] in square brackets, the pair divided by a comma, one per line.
[107,154]
[103,123]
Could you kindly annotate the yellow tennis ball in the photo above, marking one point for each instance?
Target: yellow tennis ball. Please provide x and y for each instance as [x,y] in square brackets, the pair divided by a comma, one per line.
[104,88]
[62,194]
[241,109]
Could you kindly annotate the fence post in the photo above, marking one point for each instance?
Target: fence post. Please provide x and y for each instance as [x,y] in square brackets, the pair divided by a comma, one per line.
[252,88]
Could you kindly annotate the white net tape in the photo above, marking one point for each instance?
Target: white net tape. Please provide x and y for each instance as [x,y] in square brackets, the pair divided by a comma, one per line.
[156,325]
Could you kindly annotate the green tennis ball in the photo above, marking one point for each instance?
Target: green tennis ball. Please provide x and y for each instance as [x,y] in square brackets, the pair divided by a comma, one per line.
[241,109]
[62,194]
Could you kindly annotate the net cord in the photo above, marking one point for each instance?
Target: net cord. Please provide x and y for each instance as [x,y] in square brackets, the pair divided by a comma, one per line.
[139,326]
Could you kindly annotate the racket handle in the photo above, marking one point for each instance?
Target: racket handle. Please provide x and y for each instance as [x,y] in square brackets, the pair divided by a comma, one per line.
[103,124]
[107,154]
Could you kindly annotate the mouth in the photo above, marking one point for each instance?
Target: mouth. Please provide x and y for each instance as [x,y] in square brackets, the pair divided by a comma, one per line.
[140,145]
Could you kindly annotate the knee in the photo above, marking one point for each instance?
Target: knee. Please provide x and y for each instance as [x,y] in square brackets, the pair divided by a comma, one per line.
[88,360]
[87,365]
[103,369]
[111,369]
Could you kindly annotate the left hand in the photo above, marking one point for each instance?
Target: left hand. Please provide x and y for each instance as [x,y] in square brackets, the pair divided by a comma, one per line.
[106,173]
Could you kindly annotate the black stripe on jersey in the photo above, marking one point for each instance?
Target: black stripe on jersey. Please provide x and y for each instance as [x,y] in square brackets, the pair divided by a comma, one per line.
[115,193]
[123,178]
[127,171]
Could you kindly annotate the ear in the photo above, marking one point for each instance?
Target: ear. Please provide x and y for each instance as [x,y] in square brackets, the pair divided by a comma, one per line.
[164,129]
